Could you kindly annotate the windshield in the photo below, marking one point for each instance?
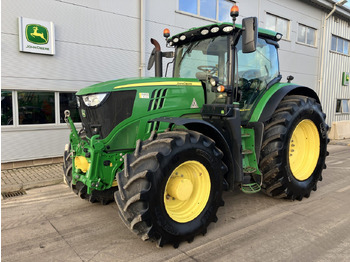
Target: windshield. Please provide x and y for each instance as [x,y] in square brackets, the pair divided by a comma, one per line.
[201,58]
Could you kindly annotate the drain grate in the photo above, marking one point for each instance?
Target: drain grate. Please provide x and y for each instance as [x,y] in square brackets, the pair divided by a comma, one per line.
[14,194]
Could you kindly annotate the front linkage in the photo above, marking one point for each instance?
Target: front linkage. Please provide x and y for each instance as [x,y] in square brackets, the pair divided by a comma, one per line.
[91,164]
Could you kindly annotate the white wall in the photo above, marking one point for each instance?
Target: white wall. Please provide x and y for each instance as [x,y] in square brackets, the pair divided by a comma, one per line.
[95,41]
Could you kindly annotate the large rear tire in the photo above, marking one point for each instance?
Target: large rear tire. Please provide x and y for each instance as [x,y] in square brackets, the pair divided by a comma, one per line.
[171,187]
[294,148]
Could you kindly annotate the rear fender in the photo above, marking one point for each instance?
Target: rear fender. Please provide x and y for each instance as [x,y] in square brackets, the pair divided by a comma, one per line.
[273,96]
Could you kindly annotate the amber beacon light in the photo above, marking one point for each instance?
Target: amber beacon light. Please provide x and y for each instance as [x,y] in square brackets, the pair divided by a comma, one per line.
[234,11]
[166,32]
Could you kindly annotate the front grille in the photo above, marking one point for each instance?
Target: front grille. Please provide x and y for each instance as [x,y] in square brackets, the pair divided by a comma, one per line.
[103,118]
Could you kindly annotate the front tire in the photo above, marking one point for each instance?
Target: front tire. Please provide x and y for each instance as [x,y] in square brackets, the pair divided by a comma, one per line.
[171,187]
[294,148]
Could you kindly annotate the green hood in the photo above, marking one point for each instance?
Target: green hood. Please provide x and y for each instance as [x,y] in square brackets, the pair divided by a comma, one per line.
[131,83]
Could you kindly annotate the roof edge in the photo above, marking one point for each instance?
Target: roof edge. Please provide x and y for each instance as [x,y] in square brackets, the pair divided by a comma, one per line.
[341,11]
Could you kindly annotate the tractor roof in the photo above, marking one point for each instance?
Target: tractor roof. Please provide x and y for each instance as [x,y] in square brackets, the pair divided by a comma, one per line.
[212,30]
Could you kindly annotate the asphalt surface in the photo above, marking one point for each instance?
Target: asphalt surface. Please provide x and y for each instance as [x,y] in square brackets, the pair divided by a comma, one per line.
[52,224]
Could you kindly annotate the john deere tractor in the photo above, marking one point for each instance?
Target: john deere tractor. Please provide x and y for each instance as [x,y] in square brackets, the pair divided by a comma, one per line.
[165,148]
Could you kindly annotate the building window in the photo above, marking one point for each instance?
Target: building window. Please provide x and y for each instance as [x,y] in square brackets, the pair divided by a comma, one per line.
[68,101]
[36,107]
[306,35]
[189,6]
[213,9]
[343,106]
[340,45]
[224,10]
[277,24]
[6,108]
[33,108]
[208,8]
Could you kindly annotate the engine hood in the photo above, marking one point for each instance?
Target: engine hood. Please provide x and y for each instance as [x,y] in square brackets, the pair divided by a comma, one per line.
[132,83]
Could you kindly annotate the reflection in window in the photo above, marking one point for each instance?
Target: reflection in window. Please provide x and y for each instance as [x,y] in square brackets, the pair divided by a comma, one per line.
[301,34]
[343,106]
[306,35]
[340,45]
[310,36]
[36,107]
[213,9]
[224,14]
[255,71]
[6,108]
[278,24]
[189,6]
[68,101]
[334,43]
[208,8]
[202,58]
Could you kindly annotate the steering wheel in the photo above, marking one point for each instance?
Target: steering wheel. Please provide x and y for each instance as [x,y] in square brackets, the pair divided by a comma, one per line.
[208,69]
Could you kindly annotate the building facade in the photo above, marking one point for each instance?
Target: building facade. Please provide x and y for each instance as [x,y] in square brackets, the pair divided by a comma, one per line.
[101,40]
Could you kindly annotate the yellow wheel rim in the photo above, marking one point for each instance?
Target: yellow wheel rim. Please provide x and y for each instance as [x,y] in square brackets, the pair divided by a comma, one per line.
[304,150]
[187,191]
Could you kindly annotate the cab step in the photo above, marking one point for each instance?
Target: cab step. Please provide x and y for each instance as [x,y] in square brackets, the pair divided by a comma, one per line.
[250,188]
[249,170]
[247,152]
[251,182]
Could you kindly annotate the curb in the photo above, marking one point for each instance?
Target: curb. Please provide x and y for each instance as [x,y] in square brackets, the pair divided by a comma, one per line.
[339,142]
[26,186]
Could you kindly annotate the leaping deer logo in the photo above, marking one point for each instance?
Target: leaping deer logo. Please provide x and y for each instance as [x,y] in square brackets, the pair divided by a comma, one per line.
[35,33]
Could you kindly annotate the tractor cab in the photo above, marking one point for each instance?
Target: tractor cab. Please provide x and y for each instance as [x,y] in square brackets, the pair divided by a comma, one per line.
[208,60]
[235,63]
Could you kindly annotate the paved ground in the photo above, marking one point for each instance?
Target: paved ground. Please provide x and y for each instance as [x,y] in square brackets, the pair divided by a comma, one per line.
[52,224]
[30,177]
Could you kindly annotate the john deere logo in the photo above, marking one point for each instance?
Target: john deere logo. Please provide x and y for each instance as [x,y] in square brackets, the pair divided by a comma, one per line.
[37,34]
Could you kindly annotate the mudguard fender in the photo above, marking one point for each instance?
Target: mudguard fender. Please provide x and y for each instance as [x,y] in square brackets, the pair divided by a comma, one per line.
[273,96]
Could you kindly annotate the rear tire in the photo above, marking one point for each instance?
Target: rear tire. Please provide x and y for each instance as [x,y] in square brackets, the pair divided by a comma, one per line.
[155,207]
[294,148]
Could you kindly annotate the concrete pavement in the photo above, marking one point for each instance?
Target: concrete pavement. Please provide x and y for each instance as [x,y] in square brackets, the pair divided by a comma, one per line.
[53,224]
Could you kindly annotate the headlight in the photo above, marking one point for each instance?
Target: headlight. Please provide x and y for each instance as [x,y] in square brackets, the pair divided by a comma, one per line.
[94,100]
[227,29]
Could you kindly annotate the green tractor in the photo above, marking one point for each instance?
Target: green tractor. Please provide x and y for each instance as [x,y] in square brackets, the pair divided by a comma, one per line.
[165,148]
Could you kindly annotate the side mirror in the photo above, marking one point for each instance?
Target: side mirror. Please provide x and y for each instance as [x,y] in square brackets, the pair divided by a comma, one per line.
[250,34]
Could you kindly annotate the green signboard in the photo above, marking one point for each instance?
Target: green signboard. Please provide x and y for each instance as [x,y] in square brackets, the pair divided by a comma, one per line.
[346,78]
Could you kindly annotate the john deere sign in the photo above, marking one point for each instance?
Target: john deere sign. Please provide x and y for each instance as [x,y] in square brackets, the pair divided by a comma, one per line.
[36,36]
